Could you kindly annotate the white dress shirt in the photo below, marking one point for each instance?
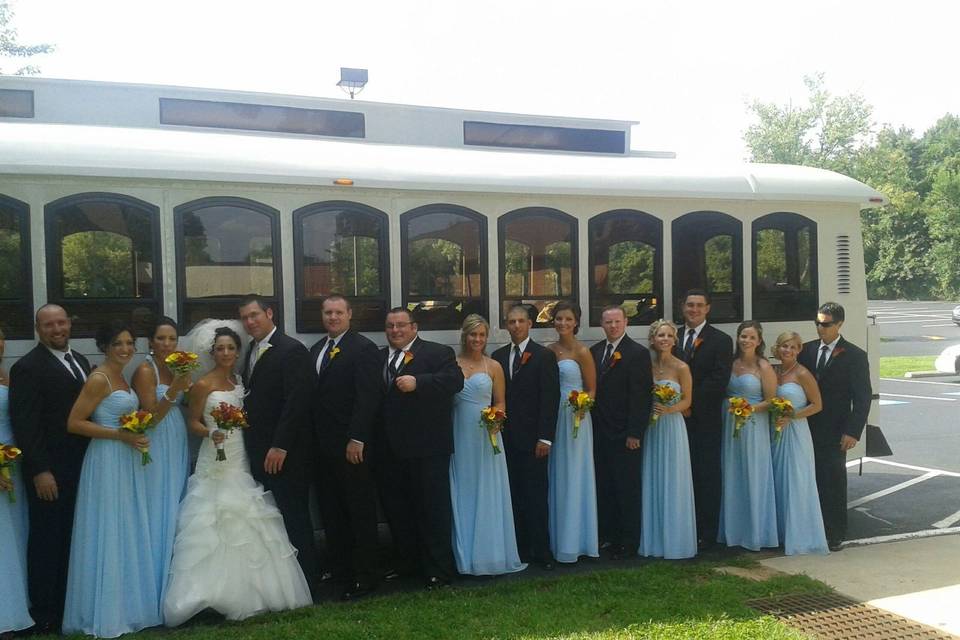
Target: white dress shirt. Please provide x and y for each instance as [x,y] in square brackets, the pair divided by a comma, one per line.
[255,353]
[61,356]
[331,343]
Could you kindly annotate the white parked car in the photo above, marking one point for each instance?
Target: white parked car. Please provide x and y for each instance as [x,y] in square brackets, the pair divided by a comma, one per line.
[956,314]
[949,360]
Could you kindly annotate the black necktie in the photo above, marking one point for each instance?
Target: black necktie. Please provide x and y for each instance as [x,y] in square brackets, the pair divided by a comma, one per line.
[73,366]
[823,358]
[688,345]
[607,354]
[325,360]
[392,369]
[517,357]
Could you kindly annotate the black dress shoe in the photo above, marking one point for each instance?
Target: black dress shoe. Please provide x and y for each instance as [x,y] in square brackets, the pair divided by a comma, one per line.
[391,574]
[327,577]
[433,582]
[835,545]
[357,590]
[548,565]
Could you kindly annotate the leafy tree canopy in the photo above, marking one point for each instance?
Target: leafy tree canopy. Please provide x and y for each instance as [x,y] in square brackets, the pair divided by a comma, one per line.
[12,49]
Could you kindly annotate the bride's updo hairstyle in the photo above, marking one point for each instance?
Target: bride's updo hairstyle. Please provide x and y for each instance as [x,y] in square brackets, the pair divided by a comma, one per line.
[225,331]
[106,333]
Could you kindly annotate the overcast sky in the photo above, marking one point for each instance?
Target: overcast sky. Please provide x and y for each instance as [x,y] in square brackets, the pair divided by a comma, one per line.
[684,70]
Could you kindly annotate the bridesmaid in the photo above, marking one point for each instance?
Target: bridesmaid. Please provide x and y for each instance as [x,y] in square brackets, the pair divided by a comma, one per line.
[165,479]
[669,524]
[112,581]
[484,541]
[798,504]
[572,497]
[14,604]
[748,512]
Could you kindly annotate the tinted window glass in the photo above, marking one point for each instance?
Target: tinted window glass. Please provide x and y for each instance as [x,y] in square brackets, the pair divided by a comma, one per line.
[784,267]
[708,254]
[259,117]
[625,265]
[16,304]
[492,134]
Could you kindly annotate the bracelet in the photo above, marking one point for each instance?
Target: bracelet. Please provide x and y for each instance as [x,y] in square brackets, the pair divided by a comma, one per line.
[167,398]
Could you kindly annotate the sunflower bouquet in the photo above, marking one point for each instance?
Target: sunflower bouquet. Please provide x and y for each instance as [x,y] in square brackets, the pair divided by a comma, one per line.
[182,362]
[228,417]
[9,454]
[581,403]
[780,408]
[138,422]
[492,419]
[741,410]
[665,395]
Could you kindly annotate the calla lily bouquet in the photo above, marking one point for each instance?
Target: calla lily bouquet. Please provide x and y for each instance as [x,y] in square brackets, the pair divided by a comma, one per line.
[581,403]
[9,454]
[665,395]
[228,417]
[182,362]
[741,410]
[492,420]
[138,422]
[780,408]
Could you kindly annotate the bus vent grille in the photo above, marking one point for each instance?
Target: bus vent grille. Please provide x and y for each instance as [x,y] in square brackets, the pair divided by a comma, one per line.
[843,264]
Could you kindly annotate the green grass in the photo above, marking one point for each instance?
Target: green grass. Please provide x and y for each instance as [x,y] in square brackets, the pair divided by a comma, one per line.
[896,366]
[658,600]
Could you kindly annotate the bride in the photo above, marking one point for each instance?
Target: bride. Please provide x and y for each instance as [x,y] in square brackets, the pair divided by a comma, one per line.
[231,551]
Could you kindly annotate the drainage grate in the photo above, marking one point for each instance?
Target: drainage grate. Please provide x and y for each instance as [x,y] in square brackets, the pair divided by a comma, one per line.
[835,617]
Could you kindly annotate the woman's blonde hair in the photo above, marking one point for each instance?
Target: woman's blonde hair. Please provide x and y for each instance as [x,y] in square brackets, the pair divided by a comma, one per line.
[470,324]
[656,327]
[786,336]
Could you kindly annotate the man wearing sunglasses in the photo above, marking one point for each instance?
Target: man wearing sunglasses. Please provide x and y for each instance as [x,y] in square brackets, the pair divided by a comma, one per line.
[843,375]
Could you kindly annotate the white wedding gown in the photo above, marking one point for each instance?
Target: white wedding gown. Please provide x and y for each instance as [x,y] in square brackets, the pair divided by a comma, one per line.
[231,552]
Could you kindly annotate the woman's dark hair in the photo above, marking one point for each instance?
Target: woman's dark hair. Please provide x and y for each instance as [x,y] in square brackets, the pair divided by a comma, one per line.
[106,333]
[225,331]
[162,321]
[566,305]
[755,325]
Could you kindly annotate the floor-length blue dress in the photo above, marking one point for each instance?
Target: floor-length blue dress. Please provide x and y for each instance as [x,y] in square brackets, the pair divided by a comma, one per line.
[112,581]
[484,540]
[748,511]
[15,603]
[669,521]
[165,482]
[798,504]
[572,496]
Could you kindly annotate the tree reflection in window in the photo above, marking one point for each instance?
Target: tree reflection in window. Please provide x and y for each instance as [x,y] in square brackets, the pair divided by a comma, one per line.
[11,258]
[708,254]
[718,253]
[784,267]
[99,264]
[16,293]
[631,267]
[625,265]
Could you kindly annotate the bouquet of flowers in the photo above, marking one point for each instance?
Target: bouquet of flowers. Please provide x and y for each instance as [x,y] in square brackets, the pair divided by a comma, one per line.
[8,455]
[665,395]
[492,420]
[581,403]
[138,422]
[780,408]
[741,411]
[228,417]
[182,362]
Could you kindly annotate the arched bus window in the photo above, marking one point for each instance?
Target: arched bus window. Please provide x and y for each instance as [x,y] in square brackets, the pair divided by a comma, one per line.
[341,247]
[626,265]
[784,267]
[443,266]
[226,248]
[538,260]
[708,254]
[16,290]
[103,260]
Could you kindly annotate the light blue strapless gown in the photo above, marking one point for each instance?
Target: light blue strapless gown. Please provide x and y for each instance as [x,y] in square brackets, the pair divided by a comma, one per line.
[166,482]
[112,581]
[484,540]
[798,504]
[748,510]
[15,604]
[572,496]
[669,525]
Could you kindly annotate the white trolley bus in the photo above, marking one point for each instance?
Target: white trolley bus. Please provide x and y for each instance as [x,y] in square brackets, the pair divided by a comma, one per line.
[140,200]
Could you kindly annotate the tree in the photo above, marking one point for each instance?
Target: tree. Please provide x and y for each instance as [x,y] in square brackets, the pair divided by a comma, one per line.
[10,47]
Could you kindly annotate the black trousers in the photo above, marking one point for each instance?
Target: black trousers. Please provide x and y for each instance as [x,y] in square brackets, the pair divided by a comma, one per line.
[348,505]
[707,479]
[415,494]
[831,469]
[528,491]
[291,491]
[618,491]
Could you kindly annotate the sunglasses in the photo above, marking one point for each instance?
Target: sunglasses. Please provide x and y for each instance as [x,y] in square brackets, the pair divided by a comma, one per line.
[825,324]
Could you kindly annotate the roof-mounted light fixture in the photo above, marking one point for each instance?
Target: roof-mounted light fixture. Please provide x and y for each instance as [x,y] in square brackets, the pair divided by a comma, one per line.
[352,81]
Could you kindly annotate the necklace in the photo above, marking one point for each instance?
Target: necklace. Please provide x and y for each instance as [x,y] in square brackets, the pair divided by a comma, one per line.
[782,373]
[659,367]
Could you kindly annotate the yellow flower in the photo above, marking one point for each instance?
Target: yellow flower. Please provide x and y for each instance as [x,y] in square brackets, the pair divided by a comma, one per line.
[334,352]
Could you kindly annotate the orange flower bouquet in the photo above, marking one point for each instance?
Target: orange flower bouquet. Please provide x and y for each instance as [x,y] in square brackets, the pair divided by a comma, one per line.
[228,417]
[182,362]
[9,454]
[665,395]
[581,403]
[138,422]
[780,408]
[492,420]
[741,410]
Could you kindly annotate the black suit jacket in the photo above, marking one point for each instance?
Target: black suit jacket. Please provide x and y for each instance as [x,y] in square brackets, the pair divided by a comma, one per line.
[533,397]
[420,423]
[276,403]
[624,396]
[42,392]
[346,393]
[710,369]
[845,387]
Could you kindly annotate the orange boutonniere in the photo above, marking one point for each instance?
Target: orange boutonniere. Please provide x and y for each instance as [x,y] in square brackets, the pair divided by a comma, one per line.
[524,358]
[407,357]
[697,343]
[837,351]
[615,358]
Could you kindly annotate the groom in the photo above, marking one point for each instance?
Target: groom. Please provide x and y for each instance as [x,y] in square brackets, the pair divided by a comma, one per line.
[276,371]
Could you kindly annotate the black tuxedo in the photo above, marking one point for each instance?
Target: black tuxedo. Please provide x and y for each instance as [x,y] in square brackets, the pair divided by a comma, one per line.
[710,367]
[845,388]
[42,393]
[533,402]
[277,410]
[413,457]
[346,397]
[622,410]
